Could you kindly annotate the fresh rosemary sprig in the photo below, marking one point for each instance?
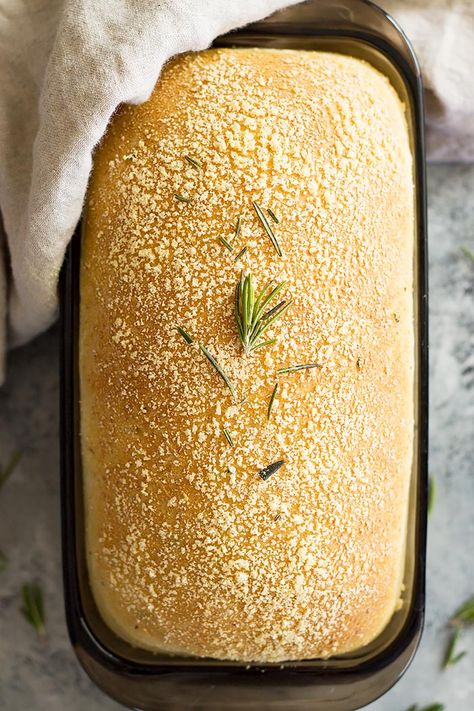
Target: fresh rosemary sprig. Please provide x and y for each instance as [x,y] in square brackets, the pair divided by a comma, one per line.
[250,315]
[273,216]
[267,472]
[431,495]
[464,615]
[7,471]
[185,334]
[451,658]
[194,162]
[226,244]
[32,608]
[296,368]
[241,254]
[182,198]
[267,227]
[228,436]
[217,367]
[272,400]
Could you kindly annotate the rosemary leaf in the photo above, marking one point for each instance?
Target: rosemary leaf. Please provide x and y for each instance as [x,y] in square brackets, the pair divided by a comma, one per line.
[217,367]
[185,334]
[273,216]
[282,306]
[268,228]
[3,561]
[295,368]
[238,227]
[7,471]
[250,315]
[32,608]
[465,614]
[194,162]
[241,254]
[270,342]
[226,244]
[468,253]
[431,495]
[182,198]
[228,436]
[271,469]
[451,658]
[272,400]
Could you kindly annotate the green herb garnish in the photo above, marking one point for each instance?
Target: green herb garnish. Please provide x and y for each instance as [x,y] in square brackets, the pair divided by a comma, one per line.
[250,315]
[431,495]
[267,472]
[431,707]
[273,216]
[182,198]
[226,244]
[451,658]
[238,227]
[194,162]
[267,227]
[217,367]
[185,334]
[272,400]
[296,368]
[465,614]
[468,253]
[32,608]
[7,471]
[241,254]
[228,436]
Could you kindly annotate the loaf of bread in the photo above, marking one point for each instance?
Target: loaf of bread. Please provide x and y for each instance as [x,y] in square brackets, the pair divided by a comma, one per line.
[196,544]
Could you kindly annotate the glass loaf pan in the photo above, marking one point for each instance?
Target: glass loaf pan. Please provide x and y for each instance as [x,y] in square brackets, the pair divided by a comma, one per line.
[140,679]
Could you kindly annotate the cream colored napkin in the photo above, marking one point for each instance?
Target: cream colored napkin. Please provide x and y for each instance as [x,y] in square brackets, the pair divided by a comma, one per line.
[442,32]
[65,65]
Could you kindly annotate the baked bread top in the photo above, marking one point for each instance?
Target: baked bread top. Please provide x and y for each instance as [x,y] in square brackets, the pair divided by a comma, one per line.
[190,547]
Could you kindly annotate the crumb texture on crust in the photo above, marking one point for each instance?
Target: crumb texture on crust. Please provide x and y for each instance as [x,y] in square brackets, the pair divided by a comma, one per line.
[188,548]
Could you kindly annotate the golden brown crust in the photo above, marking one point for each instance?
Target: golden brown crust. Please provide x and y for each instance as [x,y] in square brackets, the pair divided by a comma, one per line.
[188,549]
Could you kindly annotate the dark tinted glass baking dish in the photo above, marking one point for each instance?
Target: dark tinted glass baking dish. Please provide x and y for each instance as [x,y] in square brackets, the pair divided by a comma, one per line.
[140,679]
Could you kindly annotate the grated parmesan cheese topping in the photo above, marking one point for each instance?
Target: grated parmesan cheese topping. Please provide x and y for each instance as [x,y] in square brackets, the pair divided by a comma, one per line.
[189,549]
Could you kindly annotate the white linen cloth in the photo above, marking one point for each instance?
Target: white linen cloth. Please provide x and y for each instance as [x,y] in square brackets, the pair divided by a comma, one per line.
[442,32]
[65,66]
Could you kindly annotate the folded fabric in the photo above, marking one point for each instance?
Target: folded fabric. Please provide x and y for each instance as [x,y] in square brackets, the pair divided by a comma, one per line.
[65,66]
[442,32]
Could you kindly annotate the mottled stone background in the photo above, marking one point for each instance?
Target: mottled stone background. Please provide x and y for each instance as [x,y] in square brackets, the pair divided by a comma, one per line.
[43,674]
